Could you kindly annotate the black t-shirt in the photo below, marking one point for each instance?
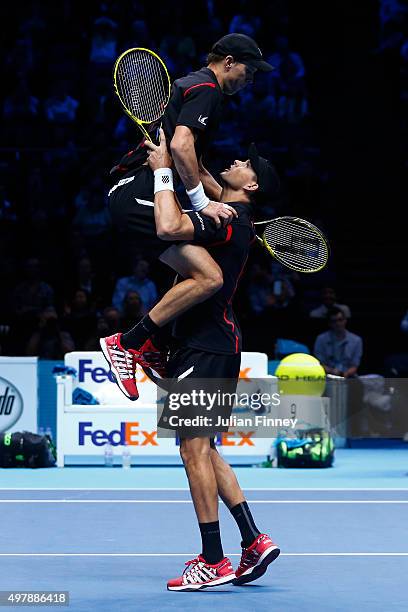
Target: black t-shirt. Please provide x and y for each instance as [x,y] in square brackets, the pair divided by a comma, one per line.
[212,326]
[196,102]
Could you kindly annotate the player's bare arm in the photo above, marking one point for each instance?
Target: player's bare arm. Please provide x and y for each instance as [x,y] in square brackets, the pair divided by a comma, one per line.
[186,163]
[171,223]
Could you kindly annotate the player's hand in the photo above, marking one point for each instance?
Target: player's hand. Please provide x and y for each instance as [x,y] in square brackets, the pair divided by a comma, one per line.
[221,214]
[158,156]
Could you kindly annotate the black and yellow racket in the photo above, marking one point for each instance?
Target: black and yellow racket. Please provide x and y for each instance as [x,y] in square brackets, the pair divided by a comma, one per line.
[295,243]
[142,84]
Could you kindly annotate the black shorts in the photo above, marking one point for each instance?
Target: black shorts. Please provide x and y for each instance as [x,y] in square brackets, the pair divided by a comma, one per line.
[208,382]
[131,203]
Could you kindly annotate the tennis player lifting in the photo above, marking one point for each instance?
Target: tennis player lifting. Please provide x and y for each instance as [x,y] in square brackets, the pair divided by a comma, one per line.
[190,122]
[208,346]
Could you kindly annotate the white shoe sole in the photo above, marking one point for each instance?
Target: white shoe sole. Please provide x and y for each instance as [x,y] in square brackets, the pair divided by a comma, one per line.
[268,556]
[197,587]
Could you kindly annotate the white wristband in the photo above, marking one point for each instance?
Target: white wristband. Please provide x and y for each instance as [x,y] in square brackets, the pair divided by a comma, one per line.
[163,180]
[197,197]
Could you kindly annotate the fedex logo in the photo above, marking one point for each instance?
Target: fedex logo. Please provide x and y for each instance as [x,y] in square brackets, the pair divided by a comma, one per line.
[127,433]
[100,375]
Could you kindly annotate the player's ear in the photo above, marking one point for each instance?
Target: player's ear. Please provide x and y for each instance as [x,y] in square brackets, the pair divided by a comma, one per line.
[251,187]
[228,61]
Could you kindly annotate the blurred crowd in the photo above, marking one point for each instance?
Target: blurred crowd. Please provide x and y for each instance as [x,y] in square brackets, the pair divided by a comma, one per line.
[67,280]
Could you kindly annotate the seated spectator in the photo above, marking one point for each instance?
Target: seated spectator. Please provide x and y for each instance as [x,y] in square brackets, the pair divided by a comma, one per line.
[32,295]
[396,364]
[329,301]
[338,350]
[178,50]
[245,20]
[93,218]
[79,318]
[104,41]
[132,309]
[107,323]
[48,341]
[288,81]
[113,319]
[60,107]
[138,282]
[85,275]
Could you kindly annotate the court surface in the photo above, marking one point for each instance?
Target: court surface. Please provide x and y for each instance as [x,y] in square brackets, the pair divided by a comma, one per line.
[343,534]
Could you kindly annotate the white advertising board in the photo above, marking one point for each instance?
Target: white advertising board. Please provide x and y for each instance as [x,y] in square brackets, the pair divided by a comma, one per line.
[84,429]
[18,394]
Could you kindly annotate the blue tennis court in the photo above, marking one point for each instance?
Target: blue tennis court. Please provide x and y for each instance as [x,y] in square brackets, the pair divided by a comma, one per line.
[343,535]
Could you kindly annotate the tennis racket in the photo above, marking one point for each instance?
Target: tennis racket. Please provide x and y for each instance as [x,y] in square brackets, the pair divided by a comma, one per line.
[295,243]
[142,84]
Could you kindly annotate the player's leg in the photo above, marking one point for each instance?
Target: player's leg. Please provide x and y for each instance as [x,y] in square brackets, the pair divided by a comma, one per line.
[211,568]
[132,210]
[195,454]
[258,550]
[203,278]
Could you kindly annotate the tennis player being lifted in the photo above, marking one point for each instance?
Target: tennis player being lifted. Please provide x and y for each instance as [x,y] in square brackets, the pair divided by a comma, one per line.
[208,347]
[190,122]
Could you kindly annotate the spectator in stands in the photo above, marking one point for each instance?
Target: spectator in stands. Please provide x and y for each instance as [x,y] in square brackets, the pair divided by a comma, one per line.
[48,341]
[112,317]
[288,81]
[79,318]
[60,107]
[85,275]
[138,282]
[104,41]
[93,218]
[338,350]
[328,301]
[178,50]
[33,294]
[132,309]
[106,323]
[245,21]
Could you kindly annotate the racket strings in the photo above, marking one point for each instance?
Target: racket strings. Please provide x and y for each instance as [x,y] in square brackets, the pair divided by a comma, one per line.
[142,85]
[296,245]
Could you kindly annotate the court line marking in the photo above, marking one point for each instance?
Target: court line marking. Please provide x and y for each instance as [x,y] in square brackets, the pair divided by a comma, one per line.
[189,501]
[187,489]
[306,554]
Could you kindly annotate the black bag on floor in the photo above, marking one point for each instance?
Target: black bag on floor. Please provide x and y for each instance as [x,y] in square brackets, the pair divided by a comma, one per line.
[25,449]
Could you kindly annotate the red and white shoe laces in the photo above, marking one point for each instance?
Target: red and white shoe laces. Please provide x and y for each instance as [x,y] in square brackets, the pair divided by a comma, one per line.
[122,364]
[199,575]
[255,559]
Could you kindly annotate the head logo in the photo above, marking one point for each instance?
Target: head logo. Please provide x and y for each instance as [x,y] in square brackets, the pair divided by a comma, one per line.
[11,405]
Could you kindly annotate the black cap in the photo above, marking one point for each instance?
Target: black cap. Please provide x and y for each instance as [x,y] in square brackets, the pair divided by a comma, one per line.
[267,177]
[243,49]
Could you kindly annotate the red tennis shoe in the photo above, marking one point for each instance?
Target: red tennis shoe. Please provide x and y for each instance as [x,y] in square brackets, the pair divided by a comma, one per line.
[154,361]
[122,364]
[199,575]
[255,559]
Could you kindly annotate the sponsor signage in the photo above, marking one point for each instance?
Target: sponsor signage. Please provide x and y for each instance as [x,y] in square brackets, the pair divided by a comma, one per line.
[18,394]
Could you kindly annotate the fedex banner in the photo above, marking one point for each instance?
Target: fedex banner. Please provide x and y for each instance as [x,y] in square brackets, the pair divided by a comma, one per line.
[85,429]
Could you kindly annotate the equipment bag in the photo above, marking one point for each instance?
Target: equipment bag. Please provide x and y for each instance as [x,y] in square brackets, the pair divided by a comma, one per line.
[312,448]
[25,449]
